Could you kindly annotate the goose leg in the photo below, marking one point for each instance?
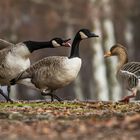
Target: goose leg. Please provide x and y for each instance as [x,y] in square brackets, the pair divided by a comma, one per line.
[127,98]
[53,96]
[57,98]
[8,90]
[6,97]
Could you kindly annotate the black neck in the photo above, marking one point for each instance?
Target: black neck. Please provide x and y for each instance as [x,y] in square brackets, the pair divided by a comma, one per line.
[34,45]
[75,48]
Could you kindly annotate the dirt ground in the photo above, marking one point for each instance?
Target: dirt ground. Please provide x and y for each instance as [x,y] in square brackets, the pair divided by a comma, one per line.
[69,121]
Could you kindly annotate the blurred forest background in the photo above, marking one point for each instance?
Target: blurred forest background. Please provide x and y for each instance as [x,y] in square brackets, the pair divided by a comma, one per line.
[113,20]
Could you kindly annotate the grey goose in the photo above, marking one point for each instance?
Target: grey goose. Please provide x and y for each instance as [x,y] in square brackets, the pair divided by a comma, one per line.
[55,72]
[128,73]
[14,59]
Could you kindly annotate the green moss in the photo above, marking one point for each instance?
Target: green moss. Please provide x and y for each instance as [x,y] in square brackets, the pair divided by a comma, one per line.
[39,104]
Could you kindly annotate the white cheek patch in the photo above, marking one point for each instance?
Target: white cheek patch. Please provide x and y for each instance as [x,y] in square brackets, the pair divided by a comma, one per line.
[83,36]
[55,44]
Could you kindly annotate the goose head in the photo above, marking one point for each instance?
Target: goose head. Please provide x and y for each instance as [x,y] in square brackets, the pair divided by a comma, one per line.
[80,35]
[116,50]
[119,51]
[85,33]
[58,42]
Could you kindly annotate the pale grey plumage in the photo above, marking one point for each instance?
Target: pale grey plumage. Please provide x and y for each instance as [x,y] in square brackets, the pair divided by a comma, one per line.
[130,74]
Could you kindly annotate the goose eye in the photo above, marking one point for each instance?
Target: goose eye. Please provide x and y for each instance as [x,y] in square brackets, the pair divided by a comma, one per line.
[83,35]
[55,44]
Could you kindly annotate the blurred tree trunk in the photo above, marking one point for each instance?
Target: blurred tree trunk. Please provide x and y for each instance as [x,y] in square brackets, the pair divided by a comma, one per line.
[99,72]
[108,41]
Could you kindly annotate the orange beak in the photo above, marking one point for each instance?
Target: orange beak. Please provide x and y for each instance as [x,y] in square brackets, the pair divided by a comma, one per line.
[107,54]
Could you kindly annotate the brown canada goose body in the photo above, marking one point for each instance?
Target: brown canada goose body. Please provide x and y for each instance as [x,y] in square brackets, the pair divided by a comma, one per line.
[53,72]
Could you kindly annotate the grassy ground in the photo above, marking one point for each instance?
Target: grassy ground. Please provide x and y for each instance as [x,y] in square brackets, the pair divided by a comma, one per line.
[69,121]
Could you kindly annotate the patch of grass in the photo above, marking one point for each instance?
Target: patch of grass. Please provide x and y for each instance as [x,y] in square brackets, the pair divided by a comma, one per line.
[39,104]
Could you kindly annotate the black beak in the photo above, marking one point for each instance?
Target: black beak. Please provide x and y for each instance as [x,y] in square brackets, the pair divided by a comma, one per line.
[93,35]
[66,43]
[67,40]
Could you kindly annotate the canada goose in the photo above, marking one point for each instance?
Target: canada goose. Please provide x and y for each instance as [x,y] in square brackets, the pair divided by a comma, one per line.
[15,59]
[127,72]
[56,72]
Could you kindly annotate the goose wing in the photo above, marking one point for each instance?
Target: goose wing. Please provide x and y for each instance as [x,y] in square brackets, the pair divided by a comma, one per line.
[128,78]
[130,74]
[132,68]
[52,61]
[5,44]
[48,63]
